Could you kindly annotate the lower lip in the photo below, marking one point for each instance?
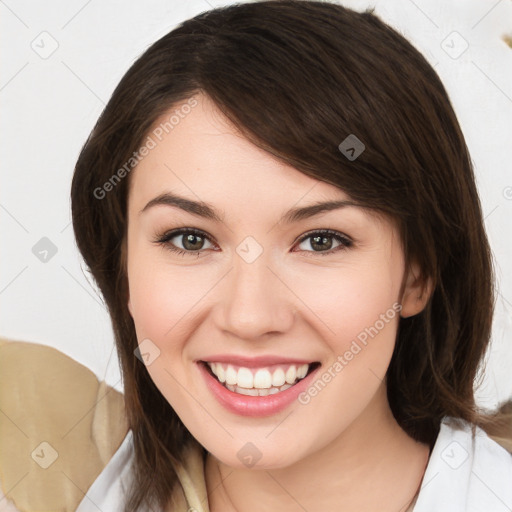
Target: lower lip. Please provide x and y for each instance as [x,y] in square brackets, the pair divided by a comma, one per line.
[255,406]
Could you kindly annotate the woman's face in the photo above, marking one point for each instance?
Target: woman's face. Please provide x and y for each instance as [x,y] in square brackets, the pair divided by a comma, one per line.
[255,283]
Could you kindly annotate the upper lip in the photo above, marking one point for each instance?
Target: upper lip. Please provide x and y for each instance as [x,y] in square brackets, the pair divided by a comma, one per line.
[254,362]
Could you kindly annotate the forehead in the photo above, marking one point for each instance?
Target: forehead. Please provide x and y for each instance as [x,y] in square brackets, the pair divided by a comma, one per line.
[201,154]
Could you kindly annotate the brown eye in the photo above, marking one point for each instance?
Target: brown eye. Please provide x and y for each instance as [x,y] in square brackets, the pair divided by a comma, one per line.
[191,240]
[322,242]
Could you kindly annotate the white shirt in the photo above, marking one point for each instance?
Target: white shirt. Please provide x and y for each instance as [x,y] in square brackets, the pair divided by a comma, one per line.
[463,475]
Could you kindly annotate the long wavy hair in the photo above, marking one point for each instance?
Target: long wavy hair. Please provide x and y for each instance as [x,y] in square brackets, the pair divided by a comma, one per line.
[297,77]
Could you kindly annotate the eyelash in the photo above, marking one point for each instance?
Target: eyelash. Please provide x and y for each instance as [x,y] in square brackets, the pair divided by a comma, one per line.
[164,240]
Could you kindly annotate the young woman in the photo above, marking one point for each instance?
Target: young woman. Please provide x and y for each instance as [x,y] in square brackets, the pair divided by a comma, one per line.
[280,210]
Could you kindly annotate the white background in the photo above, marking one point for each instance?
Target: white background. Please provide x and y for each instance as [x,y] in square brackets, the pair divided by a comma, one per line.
[50,103]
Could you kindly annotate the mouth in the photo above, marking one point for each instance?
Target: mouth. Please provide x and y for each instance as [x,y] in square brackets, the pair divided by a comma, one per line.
[264,381]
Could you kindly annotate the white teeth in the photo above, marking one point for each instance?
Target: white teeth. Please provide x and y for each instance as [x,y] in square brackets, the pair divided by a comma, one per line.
[245,378]
[219,371]
[257,392]
[291,375]
[260,383]
[262,379]
[231,375]
[244,391]
[302,371]
[278,378]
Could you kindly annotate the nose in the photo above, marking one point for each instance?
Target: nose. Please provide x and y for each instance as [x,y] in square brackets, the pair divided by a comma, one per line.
[254,300]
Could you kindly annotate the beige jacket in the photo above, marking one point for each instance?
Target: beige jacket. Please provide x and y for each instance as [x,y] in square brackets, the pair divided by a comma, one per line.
[59,426]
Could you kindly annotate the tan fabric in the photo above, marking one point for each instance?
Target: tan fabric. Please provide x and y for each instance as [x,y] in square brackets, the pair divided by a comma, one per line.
[192,494]
[48,397]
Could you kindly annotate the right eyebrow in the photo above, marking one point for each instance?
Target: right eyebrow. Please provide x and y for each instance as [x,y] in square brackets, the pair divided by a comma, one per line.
[198,208]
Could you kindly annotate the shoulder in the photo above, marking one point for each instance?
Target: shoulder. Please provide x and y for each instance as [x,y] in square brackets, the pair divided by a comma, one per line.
[467,472]
[60,426]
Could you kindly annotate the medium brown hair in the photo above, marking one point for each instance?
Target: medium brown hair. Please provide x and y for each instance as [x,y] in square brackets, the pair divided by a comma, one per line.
[297,77]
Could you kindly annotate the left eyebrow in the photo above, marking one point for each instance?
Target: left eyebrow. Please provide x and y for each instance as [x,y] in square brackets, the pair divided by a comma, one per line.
[305,212]
[204,210]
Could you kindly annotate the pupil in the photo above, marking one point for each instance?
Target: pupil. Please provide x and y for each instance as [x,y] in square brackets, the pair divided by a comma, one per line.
[323,239]
[190,240]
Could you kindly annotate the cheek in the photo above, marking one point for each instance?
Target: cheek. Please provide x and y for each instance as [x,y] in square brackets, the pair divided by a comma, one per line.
[161,303]
[358,315]
[350,300]
[162,295]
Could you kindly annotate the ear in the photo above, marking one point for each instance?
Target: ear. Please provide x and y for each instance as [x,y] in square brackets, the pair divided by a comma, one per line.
[416,292]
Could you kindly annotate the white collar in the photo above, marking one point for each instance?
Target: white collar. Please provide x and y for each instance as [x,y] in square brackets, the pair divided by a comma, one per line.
[466,474]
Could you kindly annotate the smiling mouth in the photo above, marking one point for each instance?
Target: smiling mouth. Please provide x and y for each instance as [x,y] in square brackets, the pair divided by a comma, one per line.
[259,382]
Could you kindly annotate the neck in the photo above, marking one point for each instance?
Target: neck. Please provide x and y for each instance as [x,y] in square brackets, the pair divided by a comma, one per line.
[372,465]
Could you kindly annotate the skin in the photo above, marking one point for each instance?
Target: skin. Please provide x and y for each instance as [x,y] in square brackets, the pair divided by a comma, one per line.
[343,450]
